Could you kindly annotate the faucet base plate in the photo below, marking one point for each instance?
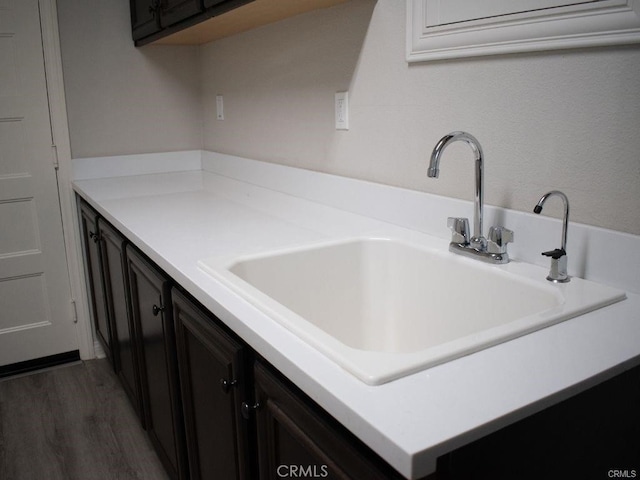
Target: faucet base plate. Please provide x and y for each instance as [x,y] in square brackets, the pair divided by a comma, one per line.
[482,255]
[559,280]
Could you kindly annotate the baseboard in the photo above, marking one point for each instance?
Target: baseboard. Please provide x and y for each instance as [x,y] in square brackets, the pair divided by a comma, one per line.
[27,366]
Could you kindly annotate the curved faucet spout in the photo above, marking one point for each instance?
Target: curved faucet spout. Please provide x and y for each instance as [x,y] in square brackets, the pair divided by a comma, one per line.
[558,271]
[478,241]
[434,164]
[565,221]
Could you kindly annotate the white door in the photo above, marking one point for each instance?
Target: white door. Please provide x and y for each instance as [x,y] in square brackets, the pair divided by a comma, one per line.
[36,317]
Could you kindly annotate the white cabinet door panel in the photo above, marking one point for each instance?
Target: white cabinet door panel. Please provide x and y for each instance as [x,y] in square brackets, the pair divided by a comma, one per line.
[442,12]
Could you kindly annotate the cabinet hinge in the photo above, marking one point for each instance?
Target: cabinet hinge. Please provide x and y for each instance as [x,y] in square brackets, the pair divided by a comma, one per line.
[54,149]
[74,311]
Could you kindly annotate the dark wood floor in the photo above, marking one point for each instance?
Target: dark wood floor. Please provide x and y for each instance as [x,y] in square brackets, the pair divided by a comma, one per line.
[72,422]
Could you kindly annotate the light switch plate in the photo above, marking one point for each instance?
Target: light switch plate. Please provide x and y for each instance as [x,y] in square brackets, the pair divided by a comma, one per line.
[342,110]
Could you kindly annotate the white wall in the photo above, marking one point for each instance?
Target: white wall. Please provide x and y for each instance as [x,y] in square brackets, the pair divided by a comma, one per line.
[565,120]
[121,99]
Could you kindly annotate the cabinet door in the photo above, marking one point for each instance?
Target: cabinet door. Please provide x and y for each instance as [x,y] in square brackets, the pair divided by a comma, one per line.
[93,270]
[122,333]
[212,382]
[145,18]
[151,313]
[174,11]
[296,438]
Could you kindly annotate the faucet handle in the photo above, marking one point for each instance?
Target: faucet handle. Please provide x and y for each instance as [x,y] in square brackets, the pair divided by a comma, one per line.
[555,254]
[498,239]
[459,229]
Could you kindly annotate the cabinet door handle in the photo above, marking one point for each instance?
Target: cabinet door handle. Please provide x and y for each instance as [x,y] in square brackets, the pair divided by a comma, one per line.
[94,237]
[226,384]
[247,409]
[156,310]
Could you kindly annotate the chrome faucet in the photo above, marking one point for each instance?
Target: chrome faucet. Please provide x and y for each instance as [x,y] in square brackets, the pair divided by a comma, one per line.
[495,249]
[558,271]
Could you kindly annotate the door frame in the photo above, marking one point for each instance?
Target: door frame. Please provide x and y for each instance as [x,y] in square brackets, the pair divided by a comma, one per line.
[62,148]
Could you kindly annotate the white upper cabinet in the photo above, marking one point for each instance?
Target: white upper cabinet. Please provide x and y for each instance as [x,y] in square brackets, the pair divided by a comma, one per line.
[440,29]
[439,12]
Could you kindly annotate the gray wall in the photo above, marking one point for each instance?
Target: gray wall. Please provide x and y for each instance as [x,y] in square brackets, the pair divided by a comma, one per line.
[121,99]
[566,120]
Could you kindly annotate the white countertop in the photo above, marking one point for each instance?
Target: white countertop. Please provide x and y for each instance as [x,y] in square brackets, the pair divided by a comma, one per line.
[179,218]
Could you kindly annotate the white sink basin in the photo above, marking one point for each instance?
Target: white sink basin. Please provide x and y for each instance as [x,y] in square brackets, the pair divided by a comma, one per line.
[384,308]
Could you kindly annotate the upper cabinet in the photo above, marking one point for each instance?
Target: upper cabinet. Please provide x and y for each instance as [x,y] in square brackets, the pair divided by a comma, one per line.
[154,19]
[438,29]
[195,22]
[144,19]
[175,11]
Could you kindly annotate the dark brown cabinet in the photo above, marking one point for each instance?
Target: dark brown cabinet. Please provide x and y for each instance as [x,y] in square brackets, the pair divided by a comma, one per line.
[212,366]
[296,438]
[174,11]
[107,283]
[154,19]
[211,3]
[91,240]
[217,7]
[145,18]
[123,333]
[151,314]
